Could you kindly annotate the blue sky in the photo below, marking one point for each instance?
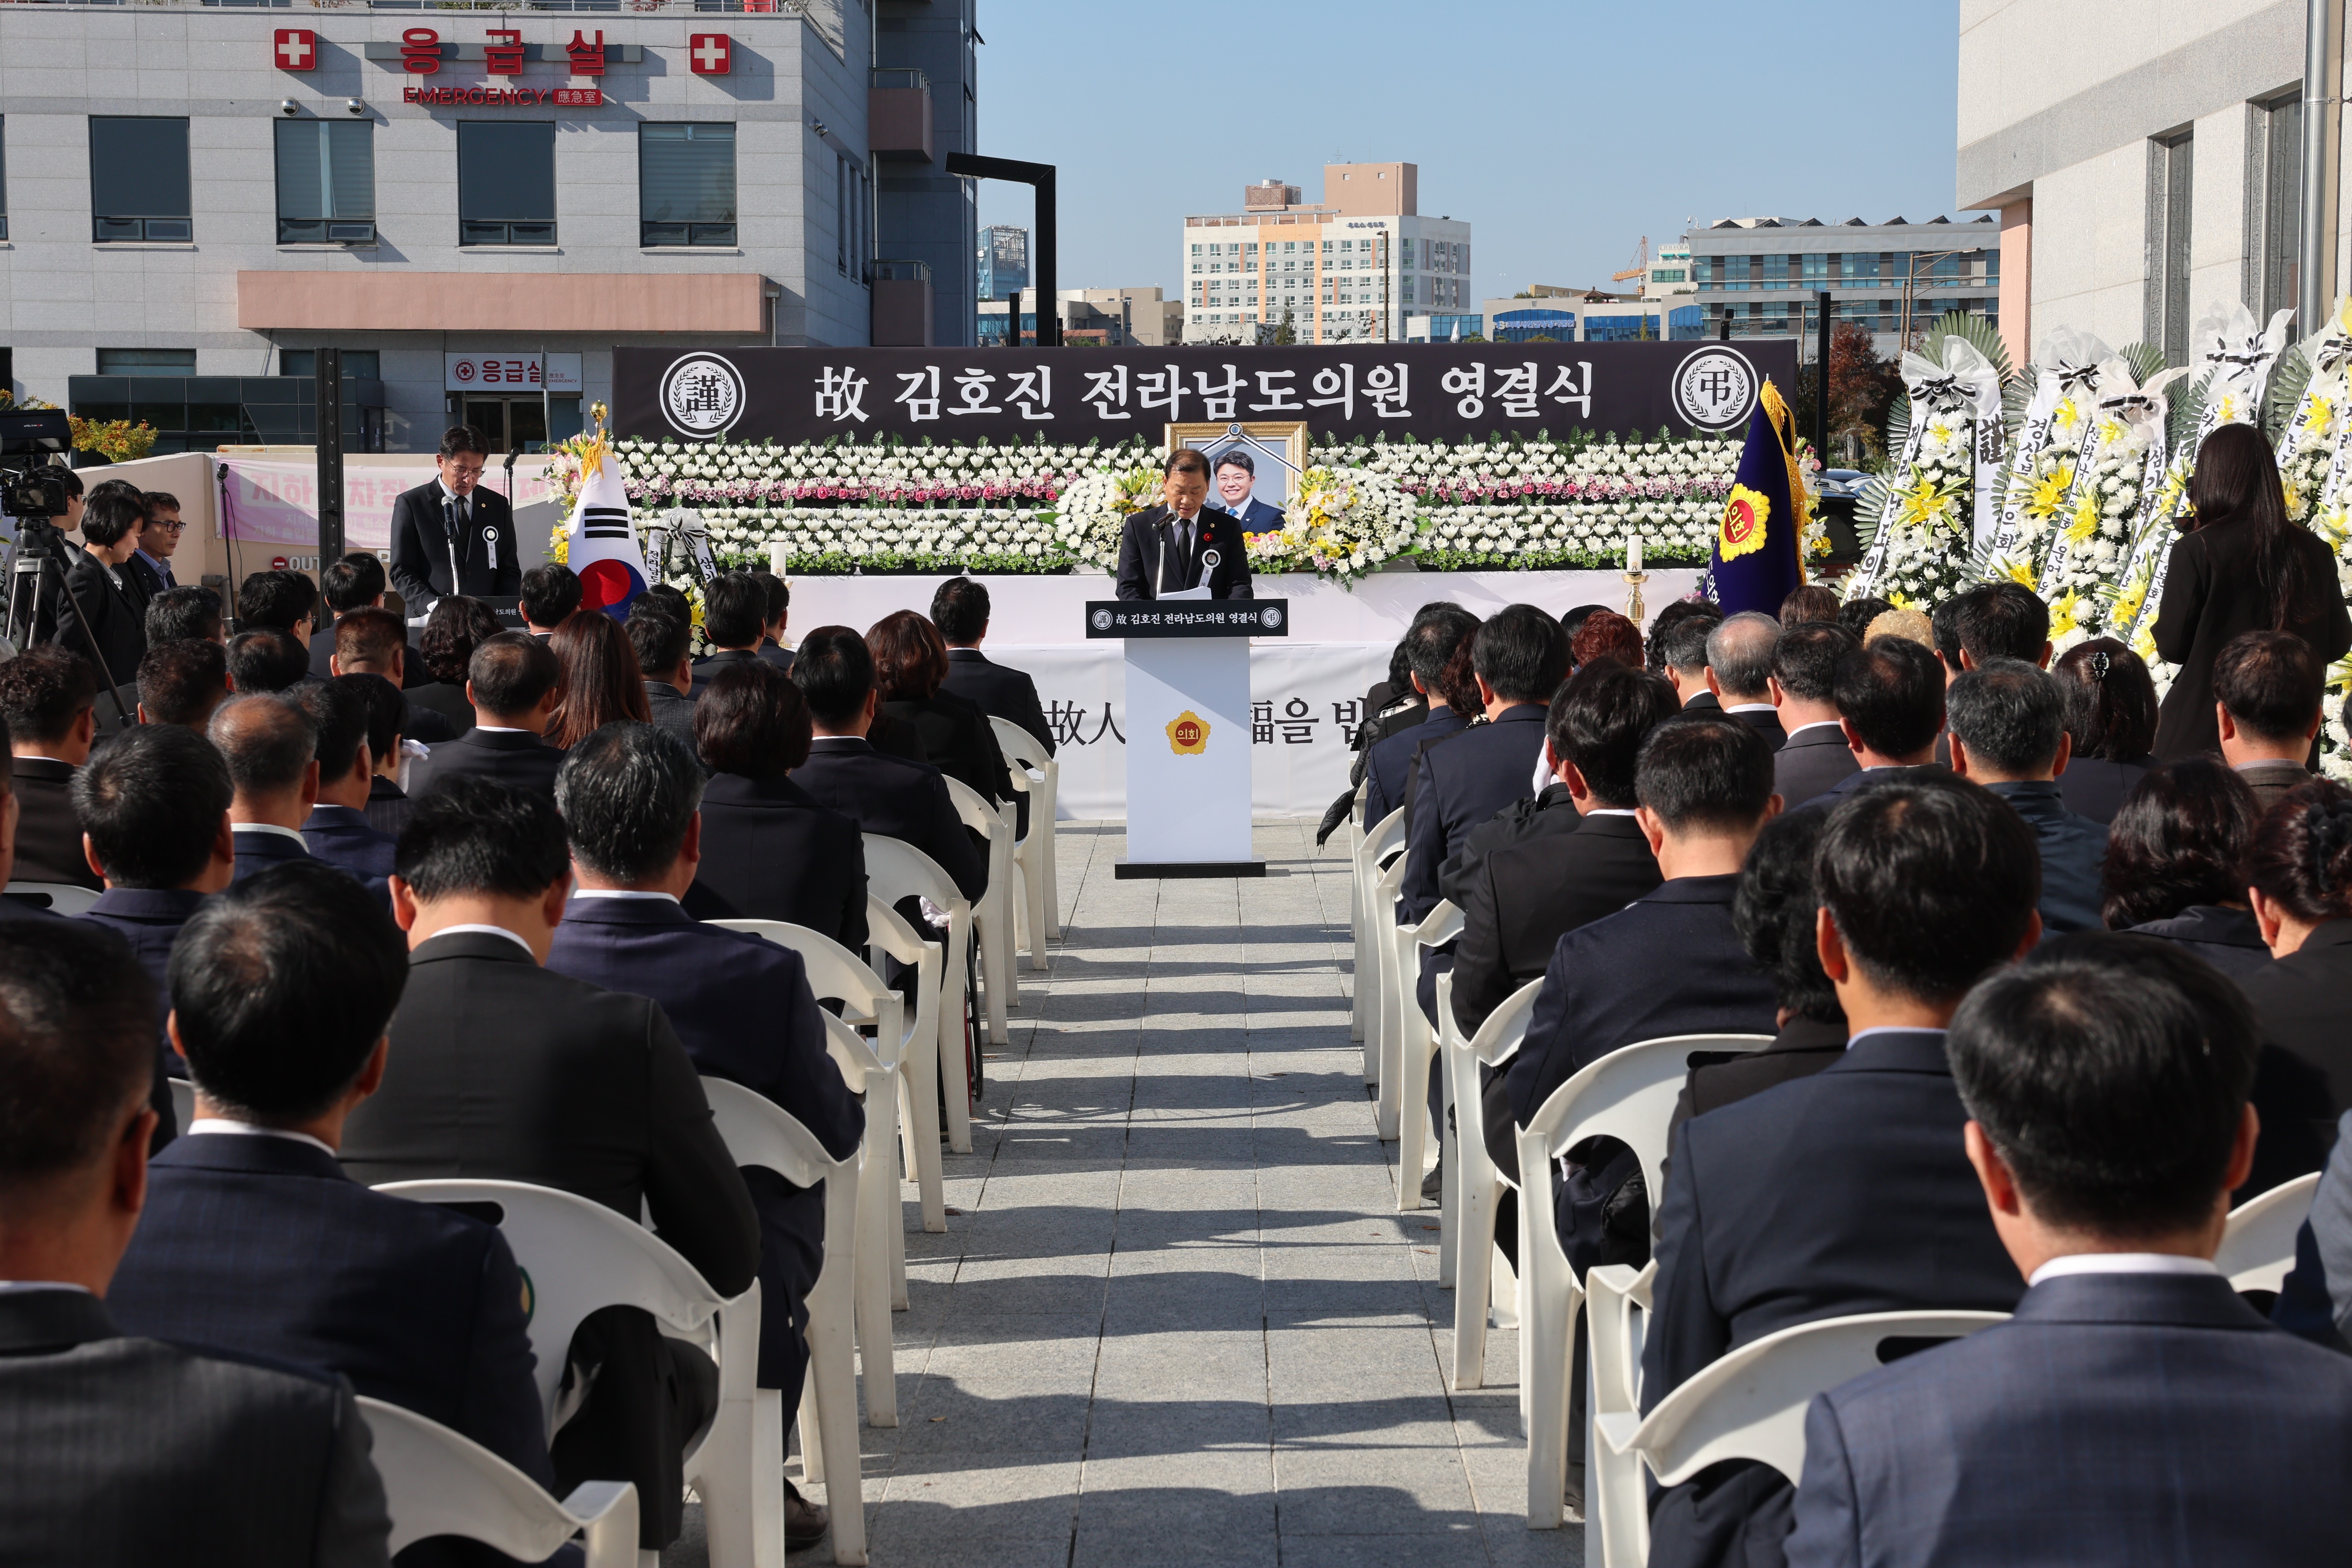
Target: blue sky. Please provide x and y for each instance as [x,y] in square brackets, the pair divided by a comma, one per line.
[1564,132]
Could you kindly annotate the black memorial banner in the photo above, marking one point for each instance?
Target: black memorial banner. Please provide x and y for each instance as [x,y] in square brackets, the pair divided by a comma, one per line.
[1187,618]
[1079,394]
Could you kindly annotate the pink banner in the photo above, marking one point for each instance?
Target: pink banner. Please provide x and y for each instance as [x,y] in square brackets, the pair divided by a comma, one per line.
[278,503]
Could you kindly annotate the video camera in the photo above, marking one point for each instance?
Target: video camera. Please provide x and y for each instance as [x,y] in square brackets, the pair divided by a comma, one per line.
[42,435]
[33,495]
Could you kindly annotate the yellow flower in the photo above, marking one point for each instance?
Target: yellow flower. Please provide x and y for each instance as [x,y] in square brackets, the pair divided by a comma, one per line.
[2064,616]
[2126,608]
[2020,571]
[2086,518]
[2067,415]
[2316,418]
[1900,600]
[559,547]
[2050,493]
[1924,504]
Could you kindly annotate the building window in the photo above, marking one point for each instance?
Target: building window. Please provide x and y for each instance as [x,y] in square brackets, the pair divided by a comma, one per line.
[146,362]
[1816,273]
[505,181]
[3,203]
[138,179]
[2274,204]
[326,182]
[359,364]
[2164,313]
[686,185]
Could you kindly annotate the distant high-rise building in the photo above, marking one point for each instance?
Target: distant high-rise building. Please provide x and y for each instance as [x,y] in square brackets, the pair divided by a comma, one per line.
[1003,261]
[1349,268]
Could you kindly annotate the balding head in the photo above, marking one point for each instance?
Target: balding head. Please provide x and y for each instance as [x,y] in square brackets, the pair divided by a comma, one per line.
[1739,652]
[272,751]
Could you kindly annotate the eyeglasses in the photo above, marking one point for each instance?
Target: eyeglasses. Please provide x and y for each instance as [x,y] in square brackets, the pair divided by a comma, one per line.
[174,526]
[461,471]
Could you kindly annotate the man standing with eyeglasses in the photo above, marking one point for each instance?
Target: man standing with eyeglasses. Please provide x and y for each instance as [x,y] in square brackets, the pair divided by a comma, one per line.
[149,565]
[451,535]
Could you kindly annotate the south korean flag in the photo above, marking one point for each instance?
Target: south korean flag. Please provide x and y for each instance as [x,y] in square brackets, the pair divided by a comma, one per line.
[604,537]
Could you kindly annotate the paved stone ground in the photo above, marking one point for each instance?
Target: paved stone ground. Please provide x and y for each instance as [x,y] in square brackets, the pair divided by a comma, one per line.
[1177,1319]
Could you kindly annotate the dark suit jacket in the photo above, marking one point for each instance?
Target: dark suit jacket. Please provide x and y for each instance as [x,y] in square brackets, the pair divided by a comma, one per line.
[2315,1301]
[2270,780]
[118,620]
[258,851]
[957,741]
[123,1450]
[2303,1081]
[428,728]
[511,756]
[742,1006]
[262,1246]
[2072,850]
[1862,777]
[1802,1047]
[1703,702]
[1387,761]
[421,547]
[998,690]
[2096,788]
[1525,896]
[1842,1193]
[1765,722]
[896,798]
[342,836]
[150,918]
[505,1070]
[387,807]
[1141,556]
[897,738]
[1811,762]
[672,712]
[1463,780]
[1549,812]
[153,578]
[445,700]
[780,657]
[2211,593]
[706,669]
[2217,1439]
[770,852]
[1254,515]
[2229,939]
[48,834]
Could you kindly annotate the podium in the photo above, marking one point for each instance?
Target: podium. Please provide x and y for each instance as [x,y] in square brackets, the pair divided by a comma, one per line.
[1188,730]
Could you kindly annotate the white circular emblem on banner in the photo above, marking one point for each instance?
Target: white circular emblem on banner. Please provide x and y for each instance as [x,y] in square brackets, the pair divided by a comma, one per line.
[1270,617]
[1715,387]
[701,395]
[1101,619]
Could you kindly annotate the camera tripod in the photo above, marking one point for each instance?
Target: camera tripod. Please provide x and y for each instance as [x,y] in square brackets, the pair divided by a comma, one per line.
[41,548]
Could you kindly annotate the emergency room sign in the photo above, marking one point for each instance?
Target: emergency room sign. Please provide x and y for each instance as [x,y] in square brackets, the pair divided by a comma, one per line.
[296,50]
[510,374]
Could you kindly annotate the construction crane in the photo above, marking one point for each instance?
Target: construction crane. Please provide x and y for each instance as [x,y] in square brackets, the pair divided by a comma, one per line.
[1640,264]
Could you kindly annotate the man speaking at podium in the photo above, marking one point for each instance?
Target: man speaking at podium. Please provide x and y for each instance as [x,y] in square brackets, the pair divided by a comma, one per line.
[451,536]
[1180,545]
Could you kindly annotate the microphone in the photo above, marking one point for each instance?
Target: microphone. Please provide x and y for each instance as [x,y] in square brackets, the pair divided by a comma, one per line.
[1160,571]
[449,535]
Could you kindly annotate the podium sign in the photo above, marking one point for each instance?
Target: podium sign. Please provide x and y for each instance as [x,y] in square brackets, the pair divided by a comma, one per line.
[1188,730]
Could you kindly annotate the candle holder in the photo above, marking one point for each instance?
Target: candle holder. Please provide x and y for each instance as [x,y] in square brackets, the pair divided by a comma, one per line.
[1633,581]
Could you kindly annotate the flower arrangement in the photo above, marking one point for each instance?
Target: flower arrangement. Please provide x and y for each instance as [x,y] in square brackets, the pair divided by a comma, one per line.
[1096,508]
[1341,523]
[116,440]
[1925,526]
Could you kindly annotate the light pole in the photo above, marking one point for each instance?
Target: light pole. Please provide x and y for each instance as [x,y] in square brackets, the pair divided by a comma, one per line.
[1911,277]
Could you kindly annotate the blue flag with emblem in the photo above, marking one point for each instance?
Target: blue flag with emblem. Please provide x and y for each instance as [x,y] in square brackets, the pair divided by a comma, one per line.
[1756,561]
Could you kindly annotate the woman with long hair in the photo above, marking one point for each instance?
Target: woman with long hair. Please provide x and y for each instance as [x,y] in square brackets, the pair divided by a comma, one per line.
[2241,567]
[2176,863]
[600,680]
[2111,718]
[910,669]
[2299,877]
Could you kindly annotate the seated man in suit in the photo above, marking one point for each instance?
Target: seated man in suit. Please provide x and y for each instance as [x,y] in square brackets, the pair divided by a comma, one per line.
[1774,910]
[1429,646]
[1739,672]
[1181,544]
[46,696]
[2106,1078]
[282,600]
[354,583]
[2267,689]
[256,1242]
[1803,687]
[272,748]
[780,605]
[770,852]
[1890,704]
[2315,1301]
[185,613]
[739,1004]
[1848,1190]
[500,1068]
[959,611]
[453,525]
[372,641]
[2009,733]
[884,795]
[734,615]
[511,683]
[182,683]
[663,645]
[387,710]
[337,830]
[1989,621]
[263,659]
[1682,650]
[550,593]
[120,1449]
[1236,476]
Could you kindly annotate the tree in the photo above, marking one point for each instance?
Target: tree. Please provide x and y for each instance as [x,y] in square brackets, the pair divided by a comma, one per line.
[1862,386]
[1287,334]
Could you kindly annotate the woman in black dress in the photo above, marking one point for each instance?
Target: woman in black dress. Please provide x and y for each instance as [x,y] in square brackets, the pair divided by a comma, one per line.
[2243,567]
[2111,718]
[2175,864]
[910,667]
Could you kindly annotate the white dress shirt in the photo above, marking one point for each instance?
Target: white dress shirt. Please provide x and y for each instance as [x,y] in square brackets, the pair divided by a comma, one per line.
[2121,1263]
[266,828]
[486,930]
[623,893]
[203,1125]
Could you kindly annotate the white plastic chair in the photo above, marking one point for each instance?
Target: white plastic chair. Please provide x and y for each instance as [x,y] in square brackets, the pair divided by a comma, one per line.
[1032,857]
[581,1257]
[992,916]
[183,1102]
[761,1133]
[1418,1043]
[1750,1403]
[2257,1249]
[1628,1095]
[1381,842]
[440,1482]
[1356,892]
[1387,1101]
[1616,1317]
[1477,1185]
[886,931]
[62,898]
[896,869]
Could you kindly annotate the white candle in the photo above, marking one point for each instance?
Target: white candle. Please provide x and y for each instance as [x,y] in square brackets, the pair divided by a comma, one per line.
[1632,555]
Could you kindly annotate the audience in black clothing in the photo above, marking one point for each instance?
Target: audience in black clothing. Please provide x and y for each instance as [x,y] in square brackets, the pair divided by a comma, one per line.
[2111,714]
[264,660]
[2175,867]
[272,747]
[2268,687]
[772,634]
[1739,672]
[1439,636]
[387,710]
[2009,733]
[98,609]
[456,627]
[511,680]
[337,830]
[182,682]
[734,608]
[910,667]
[1653,645]
[1605,634]
[185,613]
[373,641]
[550,592]
[500,1068]
[281,600]
[959,611]
[1781,1208]
[1855,615]
[1890,702]
[357,582]
[1811,605]
[598,679]
[664,646]
[47,698]
[2300,868]
[1682,658]
[1989,621]
[1814,755]
[770,852]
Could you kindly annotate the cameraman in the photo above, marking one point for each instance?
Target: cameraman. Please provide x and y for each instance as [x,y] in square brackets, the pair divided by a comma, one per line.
[104,591]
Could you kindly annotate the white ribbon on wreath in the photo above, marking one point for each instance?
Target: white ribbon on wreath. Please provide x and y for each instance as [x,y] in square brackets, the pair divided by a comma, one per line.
[1967,384]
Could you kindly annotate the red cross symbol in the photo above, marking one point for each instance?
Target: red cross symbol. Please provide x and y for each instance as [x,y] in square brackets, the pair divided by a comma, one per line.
[297,48]
[710,54]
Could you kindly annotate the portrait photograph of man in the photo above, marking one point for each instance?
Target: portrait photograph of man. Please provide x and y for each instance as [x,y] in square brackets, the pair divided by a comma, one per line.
[1257,503]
